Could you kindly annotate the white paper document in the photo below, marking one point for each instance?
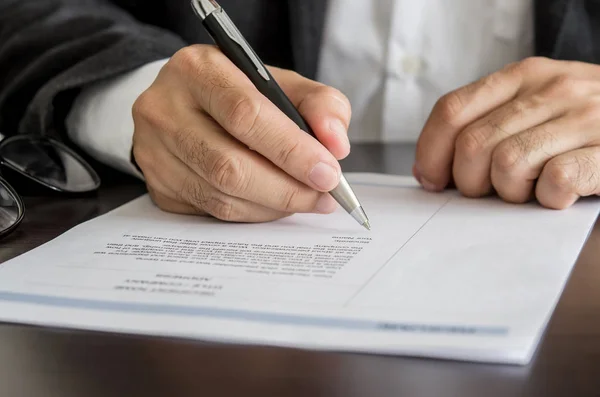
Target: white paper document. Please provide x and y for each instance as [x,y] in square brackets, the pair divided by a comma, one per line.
[439,275]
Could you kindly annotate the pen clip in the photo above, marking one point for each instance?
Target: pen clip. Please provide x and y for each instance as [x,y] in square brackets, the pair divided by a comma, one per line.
[204,8]
[235,35]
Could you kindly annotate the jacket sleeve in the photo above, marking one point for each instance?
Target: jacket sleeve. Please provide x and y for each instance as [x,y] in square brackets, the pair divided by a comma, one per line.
[568,29]
[49,49]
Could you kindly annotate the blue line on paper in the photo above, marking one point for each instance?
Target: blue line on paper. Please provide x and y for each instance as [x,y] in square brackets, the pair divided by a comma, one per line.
[244,315]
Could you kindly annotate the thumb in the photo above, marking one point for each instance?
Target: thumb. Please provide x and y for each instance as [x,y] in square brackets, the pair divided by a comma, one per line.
[324,108]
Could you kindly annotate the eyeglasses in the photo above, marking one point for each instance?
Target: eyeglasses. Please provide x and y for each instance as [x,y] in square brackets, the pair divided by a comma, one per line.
[41,162]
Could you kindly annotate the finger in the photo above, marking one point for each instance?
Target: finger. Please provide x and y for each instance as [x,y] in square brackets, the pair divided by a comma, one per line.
[455,111]
[200,194]
[450,115]
[518,161]
[168,204]
[178,189]
[568,177]
[222,90]
[324,108]
[155,163]
[475,144]
[267,186]
[237,171]
[161,194]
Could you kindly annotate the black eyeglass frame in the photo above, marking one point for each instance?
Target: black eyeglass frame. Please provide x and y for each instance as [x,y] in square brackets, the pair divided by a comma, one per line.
[43,139]
[20,208]
[37,139]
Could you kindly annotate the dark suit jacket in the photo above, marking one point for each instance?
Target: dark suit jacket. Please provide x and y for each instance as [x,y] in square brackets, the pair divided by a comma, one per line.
[49,49]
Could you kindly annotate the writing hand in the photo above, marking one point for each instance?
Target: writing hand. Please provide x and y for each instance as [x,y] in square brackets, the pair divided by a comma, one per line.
[209,143]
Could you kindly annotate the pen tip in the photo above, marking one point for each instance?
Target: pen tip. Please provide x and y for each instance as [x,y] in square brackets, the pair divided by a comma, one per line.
[367,225]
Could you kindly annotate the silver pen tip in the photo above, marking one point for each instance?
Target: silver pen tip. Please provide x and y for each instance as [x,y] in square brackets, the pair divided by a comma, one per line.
[359,215]
[367,225]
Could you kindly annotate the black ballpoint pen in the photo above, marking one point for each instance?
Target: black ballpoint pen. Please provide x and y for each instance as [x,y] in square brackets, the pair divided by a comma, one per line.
[231,42]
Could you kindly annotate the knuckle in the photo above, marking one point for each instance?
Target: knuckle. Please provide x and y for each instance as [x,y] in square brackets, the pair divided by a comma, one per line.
[203,61]
[493,80]
[190,146]
[139,106]
[341,99]
[143,158]
[560,175]
[520,107]
[530,64]
[542,138]
[222,207]
[242,115]
[592,181]
[227,174]
[187,59]
[211,54]
[449,108]
[286,152]
[214,69]
[193,193]
[332,97]
[584,173]
[471,143]
[511,67]
[328,91]
[143,105]
[148,109]
[291,200]
[162,201]
[508,155]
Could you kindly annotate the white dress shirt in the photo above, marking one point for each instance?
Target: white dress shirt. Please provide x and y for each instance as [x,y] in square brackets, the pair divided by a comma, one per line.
[392,58]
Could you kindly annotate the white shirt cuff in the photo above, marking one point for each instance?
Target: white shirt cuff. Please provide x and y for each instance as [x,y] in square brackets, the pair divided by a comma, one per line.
[100,121]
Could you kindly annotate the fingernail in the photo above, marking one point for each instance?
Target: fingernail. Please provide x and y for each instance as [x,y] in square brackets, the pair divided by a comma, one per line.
[324,176]
[326,205]
[429,185]
[339,129]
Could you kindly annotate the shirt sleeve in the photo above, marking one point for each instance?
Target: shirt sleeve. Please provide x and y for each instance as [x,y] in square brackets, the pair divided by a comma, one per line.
[100,121]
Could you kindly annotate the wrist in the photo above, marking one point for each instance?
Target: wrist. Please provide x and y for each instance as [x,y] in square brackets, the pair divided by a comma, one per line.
[100,121]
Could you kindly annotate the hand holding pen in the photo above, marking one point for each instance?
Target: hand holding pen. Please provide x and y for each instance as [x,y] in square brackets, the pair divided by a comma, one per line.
[236,48]
[195,125]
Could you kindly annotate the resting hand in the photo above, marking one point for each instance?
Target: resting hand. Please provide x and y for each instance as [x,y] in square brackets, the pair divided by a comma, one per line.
[529,130]
[194,128]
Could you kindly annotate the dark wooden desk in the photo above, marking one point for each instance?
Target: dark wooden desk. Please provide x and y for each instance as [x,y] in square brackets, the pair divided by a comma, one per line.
[47,362]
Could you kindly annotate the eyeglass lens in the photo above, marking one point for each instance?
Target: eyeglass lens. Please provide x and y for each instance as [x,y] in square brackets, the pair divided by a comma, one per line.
[48,163]
[10,211]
